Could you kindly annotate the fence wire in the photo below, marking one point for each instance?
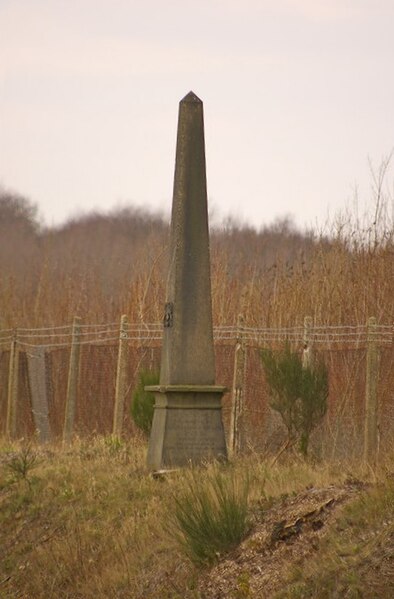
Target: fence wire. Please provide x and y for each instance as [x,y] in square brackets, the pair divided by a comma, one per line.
[330,335]
[44,361]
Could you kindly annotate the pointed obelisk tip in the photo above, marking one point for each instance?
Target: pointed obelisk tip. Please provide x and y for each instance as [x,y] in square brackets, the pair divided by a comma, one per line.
[191,98]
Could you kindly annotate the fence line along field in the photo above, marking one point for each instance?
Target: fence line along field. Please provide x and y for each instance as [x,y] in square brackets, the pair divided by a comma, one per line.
[100,266]
[78,379]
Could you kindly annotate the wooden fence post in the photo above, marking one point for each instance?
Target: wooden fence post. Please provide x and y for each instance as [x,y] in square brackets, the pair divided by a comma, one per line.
[307,354]
[371,394]
[72,382]
[121,378]
[12,393]
[234,441]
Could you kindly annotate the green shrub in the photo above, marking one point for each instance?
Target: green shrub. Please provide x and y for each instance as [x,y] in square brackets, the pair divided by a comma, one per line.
[210,514]
[143,402]
[299,393]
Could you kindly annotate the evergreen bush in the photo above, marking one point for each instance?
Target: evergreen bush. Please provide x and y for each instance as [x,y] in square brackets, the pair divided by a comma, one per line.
[299,393]
[142,405]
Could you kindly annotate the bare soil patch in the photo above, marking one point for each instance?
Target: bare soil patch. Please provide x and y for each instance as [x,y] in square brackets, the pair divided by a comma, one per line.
[285,536]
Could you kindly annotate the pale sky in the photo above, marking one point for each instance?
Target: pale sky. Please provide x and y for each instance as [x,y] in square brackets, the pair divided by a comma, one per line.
[297,95]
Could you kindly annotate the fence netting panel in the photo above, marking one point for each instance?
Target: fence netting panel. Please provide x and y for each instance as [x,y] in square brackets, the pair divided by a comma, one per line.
[57,362]
[25,427]
[96,390]
[342,432]
[4,368]
[47,356]
[385,395]
[224,362]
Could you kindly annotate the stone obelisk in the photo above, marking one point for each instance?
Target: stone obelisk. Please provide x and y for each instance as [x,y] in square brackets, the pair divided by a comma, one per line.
[187,423]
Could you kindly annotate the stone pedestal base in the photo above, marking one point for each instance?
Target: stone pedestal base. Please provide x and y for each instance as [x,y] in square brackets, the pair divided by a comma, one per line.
[187,425]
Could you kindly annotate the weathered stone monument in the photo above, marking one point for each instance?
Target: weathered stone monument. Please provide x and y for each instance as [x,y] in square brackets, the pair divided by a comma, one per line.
[187,422]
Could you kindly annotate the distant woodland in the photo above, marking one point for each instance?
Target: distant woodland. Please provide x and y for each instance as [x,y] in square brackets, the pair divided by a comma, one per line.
[99,266]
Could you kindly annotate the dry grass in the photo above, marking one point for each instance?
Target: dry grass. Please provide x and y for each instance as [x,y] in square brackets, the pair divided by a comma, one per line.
[89,521]
[88,524]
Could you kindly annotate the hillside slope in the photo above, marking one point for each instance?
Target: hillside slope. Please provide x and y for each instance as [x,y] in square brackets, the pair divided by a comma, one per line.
[329,542]
[90,521]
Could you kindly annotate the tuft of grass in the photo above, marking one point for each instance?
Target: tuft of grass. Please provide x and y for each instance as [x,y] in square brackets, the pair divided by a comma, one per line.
[211,514]
[22,462]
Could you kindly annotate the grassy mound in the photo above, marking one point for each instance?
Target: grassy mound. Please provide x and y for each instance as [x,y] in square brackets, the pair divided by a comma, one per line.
[90,521]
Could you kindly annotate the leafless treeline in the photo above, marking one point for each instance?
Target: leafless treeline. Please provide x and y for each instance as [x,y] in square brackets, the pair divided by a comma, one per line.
[102,265]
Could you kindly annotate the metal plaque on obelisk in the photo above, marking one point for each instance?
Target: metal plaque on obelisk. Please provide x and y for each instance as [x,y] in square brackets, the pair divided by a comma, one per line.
[187,423]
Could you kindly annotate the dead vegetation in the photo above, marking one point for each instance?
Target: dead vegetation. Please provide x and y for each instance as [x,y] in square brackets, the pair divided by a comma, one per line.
[100,266]
[91,521]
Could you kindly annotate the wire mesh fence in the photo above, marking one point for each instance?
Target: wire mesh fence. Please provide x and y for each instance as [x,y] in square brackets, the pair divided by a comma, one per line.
[36,367]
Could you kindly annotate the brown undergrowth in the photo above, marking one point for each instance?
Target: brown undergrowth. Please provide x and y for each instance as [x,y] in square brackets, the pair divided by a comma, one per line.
[103,265]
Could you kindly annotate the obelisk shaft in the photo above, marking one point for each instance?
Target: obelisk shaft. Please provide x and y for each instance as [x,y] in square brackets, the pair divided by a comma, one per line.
[187,423]
[188,354]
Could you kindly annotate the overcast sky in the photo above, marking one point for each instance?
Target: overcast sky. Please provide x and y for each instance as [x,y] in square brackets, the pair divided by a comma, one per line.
[297,94]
